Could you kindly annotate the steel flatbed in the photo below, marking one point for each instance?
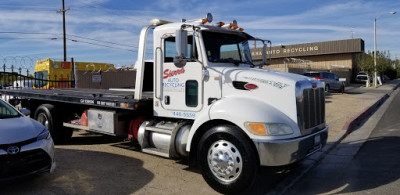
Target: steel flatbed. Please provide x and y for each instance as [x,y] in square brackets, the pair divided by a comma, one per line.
[110,98]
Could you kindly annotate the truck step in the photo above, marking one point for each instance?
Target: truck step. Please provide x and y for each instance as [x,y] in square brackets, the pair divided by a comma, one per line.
[159,130]
[156,151]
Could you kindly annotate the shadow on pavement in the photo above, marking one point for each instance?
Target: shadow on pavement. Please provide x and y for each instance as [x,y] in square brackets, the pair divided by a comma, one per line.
[84,172]
[89,138]
[375,165]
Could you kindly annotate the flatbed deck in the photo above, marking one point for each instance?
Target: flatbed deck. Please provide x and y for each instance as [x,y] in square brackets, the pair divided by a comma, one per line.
[112,98]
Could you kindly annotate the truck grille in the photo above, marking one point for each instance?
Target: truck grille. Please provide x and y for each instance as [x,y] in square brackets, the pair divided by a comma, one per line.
[311,110]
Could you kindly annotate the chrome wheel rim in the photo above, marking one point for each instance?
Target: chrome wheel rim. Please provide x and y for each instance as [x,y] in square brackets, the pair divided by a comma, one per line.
[42,118]
[224,161]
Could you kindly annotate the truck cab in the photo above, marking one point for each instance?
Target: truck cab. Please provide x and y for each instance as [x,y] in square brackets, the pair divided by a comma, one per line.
[214,104]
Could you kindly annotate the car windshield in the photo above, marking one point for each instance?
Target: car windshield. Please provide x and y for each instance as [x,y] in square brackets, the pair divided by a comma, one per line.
[227,48]
[6,111]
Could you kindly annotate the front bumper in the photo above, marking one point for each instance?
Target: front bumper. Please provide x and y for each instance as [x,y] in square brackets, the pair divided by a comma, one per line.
[33,158]
[284,152]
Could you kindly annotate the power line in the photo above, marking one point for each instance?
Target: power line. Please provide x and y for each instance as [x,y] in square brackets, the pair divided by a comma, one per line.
[110,42]
[120,44]
[73,40]
[50,38]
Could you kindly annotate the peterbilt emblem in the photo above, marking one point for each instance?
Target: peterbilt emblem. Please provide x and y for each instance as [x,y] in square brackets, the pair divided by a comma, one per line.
[12,150]
[314,85]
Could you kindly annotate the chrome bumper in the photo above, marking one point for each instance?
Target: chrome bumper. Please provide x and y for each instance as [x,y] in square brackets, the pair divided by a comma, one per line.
[284,152]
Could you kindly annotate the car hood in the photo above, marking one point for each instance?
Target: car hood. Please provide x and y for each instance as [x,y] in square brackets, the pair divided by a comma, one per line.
[18,129]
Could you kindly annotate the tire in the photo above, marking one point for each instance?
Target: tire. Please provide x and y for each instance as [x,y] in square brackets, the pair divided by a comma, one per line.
[342,89]
[326,88]
[235,170]
[44,114]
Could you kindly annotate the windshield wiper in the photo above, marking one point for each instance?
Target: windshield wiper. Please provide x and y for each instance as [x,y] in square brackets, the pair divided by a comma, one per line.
[229,60]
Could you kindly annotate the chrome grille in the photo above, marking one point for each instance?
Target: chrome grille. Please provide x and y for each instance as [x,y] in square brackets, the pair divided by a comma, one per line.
[311,110]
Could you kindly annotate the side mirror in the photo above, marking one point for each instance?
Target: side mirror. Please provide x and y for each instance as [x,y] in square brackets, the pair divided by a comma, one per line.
[264,55]
[181,48]
[25,112]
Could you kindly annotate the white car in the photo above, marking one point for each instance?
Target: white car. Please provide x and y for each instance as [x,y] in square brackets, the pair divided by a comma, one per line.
[26,146]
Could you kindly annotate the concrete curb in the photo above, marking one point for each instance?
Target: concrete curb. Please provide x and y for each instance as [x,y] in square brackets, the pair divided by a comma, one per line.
[287,183]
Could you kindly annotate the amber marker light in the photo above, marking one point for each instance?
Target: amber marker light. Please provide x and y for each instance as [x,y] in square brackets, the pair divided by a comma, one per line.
[241,29]
[257,128]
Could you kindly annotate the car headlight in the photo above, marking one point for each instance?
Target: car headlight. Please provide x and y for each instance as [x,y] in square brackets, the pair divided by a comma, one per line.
[272,129]
[45,134]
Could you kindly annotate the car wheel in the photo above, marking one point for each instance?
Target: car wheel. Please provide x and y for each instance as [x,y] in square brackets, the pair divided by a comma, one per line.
[228,161]
[44,114]
[342,89]
[326,88]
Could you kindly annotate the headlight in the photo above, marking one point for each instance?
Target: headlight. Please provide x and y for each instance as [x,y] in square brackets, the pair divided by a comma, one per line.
[45,134]
[271,129]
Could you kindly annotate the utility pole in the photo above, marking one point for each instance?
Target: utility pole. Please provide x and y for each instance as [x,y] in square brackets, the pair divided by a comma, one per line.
[64,34]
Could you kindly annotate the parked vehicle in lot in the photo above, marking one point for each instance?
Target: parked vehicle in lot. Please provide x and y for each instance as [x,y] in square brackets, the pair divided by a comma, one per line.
[329,79]
[26,146]
[363,78]
[201,97]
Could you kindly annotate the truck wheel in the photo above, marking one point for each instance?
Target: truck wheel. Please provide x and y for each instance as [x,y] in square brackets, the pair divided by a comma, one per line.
[228,161]
[44,114]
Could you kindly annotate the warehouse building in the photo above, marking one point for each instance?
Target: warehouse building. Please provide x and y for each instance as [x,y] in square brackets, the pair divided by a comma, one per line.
[340,57]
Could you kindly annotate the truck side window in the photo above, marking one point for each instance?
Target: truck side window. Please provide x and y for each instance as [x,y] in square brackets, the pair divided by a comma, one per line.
[170,49]
[191,93]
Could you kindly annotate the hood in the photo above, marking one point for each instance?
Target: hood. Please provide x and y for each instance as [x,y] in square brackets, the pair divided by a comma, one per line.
[18,129]
[265,77]
[275,88]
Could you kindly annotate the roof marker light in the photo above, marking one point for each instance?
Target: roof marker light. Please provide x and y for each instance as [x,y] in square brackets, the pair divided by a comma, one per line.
[219,24]
[209,18]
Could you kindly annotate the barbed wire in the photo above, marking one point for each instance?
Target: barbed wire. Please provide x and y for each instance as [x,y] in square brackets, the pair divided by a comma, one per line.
[18,62]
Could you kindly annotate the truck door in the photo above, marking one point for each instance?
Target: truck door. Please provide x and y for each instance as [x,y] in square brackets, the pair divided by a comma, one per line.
[182,88]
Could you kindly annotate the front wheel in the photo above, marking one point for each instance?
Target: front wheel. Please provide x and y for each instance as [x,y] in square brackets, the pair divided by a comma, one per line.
[228,161]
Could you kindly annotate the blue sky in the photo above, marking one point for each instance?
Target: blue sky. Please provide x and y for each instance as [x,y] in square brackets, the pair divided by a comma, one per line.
[108,31]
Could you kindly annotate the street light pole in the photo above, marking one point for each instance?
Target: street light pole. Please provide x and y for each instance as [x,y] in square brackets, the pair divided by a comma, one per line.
[375,73]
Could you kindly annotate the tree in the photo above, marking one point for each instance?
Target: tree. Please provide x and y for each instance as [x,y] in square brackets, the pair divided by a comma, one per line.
[367,63]
[383,62]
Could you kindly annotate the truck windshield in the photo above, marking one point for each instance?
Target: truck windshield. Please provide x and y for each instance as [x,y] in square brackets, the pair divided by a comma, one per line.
[226,48]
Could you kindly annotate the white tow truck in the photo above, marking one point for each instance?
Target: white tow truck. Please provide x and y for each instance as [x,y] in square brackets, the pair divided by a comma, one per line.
[201,97]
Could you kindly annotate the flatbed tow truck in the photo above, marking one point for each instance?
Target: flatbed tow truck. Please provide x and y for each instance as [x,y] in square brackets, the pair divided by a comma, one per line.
[201,97]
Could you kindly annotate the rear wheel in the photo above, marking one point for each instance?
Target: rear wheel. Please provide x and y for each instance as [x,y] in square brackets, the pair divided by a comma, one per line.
[44,114]
[228,161]
[342,89]
[326,88]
